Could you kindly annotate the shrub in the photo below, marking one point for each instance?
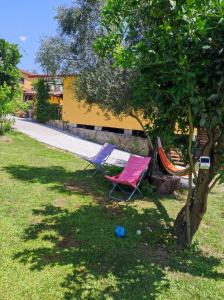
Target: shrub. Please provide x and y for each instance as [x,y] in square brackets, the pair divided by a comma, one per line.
[45,111]
[10,91]
[55,111]
[5,125]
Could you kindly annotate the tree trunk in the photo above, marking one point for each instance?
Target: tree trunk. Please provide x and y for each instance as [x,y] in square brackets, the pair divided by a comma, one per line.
[204,182]
[197,209]
[1,127]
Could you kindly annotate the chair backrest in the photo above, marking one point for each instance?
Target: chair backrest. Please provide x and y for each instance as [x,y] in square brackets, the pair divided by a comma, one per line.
[134,168]
[103,154]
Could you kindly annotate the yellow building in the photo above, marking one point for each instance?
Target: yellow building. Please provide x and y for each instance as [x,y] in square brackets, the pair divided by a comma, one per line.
[78,113]
[27,85]
[27,81]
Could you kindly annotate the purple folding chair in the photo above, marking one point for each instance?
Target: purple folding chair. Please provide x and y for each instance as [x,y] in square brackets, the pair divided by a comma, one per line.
[100,158]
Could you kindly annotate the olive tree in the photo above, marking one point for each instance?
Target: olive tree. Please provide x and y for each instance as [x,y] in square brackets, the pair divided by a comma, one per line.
[71,51]
[50,54]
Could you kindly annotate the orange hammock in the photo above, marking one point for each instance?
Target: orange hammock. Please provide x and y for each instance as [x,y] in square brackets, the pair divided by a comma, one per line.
[170,168]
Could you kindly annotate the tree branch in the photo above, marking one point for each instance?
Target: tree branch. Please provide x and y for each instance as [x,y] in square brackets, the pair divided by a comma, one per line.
[191,129]
[191,170]
[143,127]
[212,185]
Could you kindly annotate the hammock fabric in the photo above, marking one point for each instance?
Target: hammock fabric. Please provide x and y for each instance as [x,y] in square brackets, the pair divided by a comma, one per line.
[170,168]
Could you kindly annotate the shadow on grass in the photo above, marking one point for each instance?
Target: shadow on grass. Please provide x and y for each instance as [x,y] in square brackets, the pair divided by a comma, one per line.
[60,179]
[99,264]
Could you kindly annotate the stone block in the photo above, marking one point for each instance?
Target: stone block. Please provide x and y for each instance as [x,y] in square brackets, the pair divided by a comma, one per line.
[128,132]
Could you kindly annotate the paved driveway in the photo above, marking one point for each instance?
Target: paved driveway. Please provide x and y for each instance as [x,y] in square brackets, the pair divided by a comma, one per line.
[65,141]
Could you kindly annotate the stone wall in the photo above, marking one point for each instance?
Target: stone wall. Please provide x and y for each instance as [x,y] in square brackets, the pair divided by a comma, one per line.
[126,141]
[57,124]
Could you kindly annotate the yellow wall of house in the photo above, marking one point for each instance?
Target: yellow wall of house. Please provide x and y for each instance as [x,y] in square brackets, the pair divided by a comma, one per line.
[28,82]
[78,113]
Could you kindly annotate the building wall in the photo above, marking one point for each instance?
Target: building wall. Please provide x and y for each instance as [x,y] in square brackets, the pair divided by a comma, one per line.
[28,82]
[28,86]
[75,112]
[133,144]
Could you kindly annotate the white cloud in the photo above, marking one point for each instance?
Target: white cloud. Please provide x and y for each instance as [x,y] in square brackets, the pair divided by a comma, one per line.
[23,38]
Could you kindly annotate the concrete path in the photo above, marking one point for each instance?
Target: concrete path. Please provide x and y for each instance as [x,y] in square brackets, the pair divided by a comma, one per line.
[65,141]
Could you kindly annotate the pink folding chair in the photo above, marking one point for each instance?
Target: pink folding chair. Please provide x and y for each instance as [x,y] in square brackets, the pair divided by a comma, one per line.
[131,176]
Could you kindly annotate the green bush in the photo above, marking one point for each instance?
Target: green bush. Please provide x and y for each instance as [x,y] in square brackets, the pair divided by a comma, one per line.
[5,125]
[54,111]
[10,89]
[45,111]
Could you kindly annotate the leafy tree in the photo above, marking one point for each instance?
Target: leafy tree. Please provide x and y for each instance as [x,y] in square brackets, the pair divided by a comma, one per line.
[177,49]
[10,91]
[79,25]
[50,55]
[70,51]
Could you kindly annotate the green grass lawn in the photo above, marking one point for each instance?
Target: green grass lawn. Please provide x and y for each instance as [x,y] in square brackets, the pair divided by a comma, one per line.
[57,235]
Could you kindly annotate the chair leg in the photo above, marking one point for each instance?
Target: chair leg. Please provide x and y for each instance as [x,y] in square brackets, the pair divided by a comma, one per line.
[111,191]
[130,195]
[87,166]
[139,191]
[97,169]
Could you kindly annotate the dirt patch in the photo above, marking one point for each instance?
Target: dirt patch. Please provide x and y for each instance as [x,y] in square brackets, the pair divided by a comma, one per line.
[69,242]
[5,139]
[52,258]
[204,225]
[36,219]
[158,255]
[83,188]
[60,202]
[208,251]
[114,210]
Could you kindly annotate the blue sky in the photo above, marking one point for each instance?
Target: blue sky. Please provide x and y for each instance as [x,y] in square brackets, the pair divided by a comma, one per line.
[23,22]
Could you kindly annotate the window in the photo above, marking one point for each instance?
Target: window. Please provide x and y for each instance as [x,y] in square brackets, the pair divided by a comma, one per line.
[112,129]
[138,133]
[90,127]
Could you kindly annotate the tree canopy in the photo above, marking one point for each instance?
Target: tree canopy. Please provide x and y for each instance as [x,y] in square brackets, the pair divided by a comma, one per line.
[51,55]
[71,51]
